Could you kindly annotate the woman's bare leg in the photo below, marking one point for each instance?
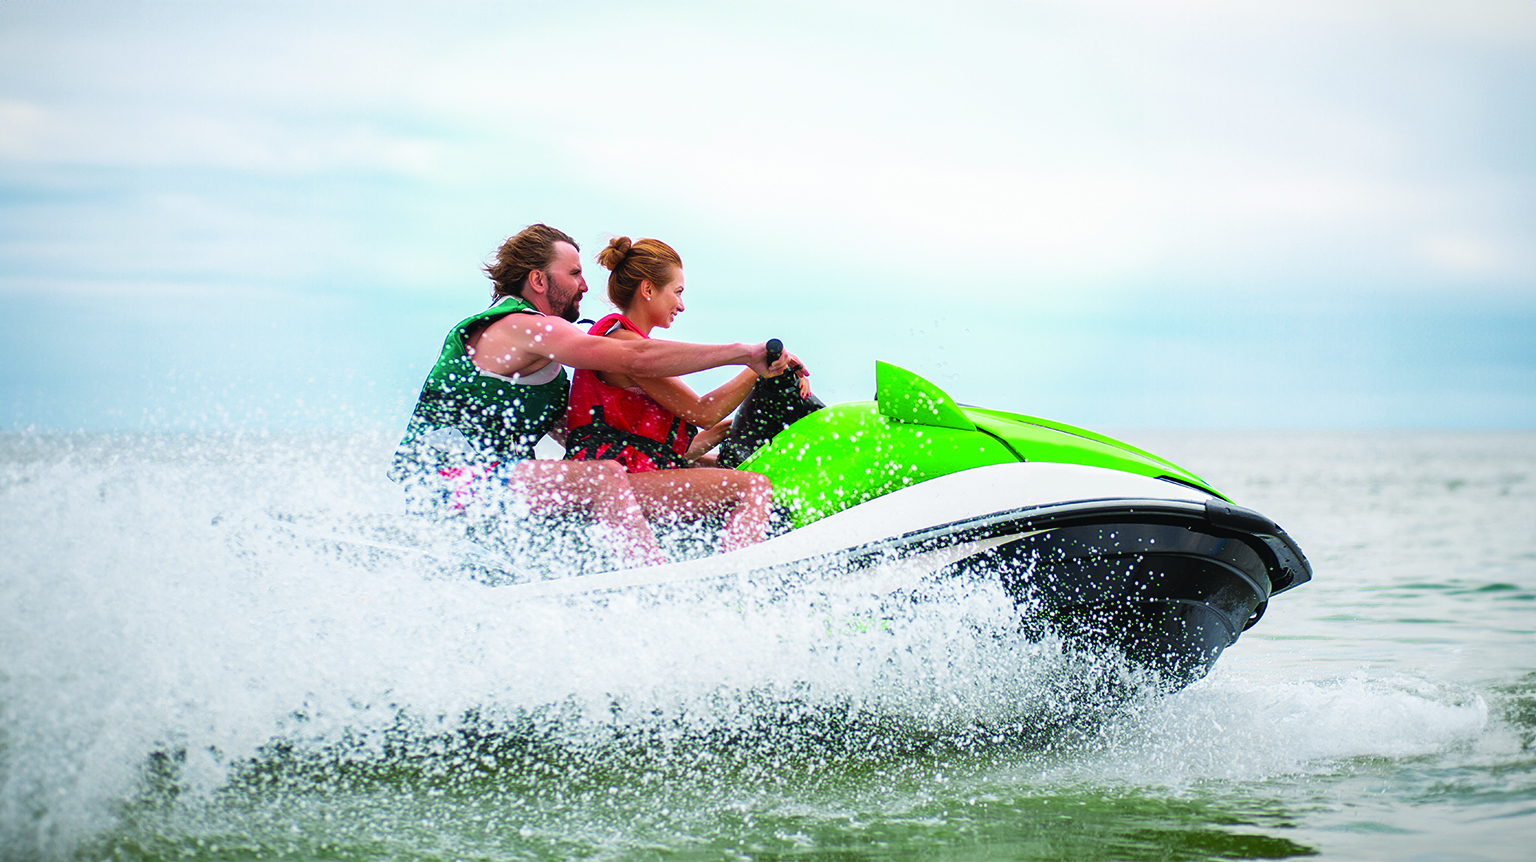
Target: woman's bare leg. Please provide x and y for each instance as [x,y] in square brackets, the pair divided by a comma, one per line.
[687,494]
[597,488]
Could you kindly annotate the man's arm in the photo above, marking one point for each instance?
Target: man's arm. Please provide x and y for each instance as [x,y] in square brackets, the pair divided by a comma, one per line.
[517,342]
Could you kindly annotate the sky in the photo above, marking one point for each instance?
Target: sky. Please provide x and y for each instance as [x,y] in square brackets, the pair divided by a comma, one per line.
[1113,213]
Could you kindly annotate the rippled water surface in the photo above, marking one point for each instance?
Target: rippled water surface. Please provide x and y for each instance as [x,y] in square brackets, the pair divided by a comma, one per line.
[233,648]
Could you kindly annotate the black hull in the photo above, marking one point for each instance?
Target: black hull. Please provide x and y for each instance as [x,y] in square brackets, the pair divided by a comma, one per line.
[1170,585]
[1171,581]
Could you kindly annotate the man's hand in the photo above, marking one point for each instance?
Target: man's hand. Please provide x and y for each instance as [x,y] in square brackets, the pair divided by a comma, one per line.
[760,364]
[787,361]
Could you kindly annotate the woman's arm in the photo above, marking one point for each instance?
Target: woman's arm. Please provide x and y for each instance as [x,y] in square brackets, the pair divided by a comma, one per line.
[703,411]
[706,440]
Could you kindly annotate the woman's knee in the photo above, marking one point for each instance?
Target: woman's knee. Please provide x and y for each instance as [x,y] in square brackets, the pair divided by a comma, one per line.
[597,472]
[611,470]
[756,487]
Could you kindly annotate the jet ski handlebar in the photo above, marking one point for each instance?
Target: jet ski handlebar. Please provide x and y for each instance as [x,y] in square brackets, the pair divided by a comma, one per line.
[775,350]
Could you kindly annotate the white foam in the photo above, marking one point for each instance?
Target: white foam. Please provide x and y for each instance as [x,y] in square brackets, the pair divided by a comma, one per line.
[155,596]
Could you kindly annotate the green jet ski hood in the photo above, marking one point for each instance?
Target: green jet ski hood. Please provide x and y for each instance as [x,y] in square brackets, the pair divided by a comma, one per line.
[913,431]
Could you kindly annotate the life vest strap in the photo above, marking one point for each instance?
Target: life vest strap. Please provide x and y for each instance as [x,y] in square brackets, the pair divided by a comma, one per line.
[601,441]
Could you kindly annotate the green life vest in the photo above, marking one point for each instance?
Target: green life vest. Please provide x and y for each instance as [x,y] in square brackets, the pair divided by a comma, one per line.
[468,416]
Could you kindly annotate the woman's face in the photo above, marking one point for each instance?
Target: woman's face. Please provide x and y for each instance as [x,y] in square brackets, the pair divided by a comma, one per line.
[667,301]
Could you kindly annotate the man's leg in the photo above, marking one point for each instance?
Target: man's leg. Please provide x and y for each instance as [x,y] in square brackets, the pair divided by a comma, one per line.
[597,488]
[694,493]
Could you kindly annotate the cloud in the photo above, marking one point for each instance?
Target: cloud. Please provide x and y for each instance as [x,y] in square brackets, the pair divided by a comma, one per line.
[1078,148]
[1466,256]
[1211,161]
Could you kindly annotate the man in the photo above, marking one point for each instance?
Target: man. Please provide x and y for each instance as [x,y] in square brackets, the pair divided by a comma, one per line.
[499,385]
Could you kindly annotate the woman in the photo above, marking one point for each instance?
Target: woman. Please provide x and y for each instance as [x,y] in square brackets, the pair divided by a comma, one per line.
[651,425]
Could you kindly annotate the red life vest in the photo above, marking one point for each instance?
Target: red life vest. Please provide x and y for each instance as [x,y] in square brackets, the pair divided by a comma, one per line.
[630,427]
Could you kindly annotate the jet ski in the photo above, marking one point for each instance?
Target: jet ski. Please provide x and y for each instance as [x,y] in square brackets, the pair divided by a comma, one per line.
[1105,544]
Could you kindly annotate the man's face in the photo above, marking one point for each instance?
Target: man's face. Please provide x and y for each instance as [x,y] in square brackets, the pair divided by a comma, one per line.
[566,283]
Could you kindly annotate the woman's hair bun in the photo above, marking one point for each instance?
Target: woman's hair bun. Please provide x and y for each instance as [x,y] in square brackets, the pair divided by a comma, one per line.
[632,263]
[613,256]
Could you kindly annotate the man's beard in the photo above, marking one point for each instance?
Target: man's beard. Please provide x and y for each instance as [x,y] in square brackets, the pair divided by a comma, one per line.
[570,310]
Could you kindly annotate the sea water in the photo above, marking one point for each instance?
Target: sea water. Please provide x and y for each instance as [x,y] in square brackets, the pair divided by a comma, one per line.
[237,647]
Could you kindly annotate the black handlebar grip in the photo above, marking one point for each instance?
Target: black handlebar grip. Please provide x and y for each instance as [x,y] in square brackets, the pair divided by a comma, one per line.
[775,350]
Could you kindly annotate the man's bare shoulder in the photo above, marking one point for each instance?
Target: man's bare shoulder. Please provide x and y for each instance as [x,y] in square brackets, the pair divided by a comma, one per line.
[516,343]
[529,323]
[553,338]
